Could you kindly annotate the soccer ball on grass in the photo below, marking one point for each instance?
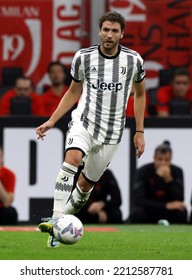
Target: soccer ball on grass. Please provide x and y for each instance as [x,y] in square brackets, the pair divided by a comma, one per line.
[68,229]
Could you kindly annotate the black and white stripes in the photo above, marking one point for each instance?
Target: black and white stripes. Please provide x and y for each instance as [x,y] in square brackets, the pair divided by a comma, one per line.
[107,82]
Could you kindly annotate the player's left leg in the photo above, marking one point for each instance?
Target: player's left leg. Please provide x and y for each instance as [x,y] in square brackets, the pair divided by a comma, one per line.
[96,163]
[79,196]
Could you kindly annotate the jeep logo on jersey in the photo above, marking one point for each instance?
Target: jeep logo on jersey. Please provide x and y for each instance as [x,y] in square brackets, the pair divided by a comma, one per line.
[115,87]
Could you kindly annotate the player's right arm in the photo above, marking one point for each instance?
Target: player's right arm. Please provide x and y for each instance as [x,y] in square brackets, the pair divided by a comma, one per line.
[69,99]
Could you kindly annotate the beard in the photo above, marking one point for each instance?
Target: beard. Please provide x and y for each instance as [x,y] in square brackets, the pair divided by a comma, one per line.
[109,46]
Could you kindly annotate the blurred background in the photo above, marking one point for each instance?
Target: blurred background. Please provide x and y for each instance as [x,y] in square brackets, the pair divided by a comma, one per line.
[34,33]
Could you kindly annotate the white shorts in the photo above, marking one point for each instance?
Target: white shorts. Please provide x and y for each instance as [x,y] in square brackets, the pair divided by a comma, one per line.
[97,156]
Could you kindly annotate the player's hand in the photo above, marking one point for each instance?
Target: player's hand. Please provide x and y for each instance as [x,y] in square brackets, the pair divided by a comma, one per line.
[40,130]
[139,143]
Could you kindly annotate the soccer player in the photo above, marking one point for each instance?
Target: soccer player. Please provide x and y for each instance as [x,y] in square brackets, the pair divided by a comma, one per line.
[102,76]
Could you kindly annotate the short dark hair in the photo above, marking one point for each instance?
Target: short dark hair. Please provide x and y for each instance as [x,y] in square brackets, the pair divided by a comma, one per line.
[163,148]
[24,78]
[112,17]
[181,71]
[53,63]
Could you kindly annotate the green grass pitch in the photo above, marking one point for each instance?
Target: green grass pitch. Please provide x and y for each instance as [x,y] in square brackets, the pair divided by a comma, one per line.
[123,242]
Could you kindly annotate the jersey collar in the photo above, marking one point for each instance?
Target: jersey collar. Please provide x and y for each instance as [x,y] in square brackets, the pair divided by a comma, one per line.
[109,57]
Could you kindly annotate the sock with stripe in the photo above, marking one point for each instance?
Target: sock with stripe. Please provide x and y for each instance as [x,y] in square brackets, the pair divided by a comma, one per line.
[77,199]
[63,188]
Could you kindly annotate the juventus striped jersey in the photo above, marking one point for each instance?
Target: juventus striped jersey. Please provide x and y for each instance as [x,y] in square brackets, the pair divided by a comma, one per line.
[107,82]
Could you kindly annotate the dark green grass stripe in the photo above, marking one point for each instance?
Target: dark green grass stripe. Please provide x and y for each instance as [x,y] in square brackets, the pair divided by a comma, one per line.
[130,243]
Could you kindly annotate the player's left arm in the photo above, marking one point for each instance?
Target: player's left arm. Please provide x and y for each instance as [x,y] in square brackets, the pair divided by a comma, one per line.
[139,111]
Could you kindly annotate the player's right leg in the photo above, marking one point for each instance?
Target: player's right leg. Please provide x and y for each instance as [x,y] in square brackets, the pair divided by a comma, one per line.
[64,185]
[76,146]
[63,188]
[47,226]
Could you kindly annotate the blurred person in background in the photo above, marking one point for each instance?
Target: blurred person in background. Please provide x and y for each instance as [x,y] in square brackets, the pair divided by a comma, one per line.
[104,203]
[130,105]
[158,190]
[58,76]
[180,90]
[8,214]
[190,218]
[23,95]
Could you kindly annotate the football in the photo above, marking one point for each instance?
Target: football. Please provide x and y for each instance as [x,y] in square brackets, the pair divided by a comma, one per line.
[68,229]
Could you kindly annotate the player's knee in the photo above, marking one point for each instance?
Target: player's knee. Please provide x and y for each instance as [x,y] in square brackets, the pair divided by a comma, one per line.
[73,157]
[74,161]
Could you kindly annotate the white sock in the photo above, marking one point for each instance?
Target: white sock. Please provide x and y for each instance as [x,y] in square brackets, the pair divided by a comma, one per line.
[63,188]
[76,201]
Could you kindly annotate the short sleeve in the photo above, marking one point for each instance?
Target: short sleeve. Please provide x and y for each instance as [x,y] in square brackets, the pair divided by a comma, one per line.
[140,71]
[76,67]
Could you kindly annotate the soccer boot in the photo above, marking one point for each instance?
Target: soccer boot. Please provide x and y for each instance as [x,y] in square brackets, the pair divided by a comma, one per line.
[47,226]
[52,242]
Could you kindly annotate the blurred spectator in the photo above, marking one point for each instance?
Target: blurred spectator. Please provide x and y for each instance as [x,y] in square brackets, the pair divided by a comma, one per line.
[158,190]
[177,93]
[52,96]
[8,214]
[21,99]
[130,105]
[104,203]
[190,218]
